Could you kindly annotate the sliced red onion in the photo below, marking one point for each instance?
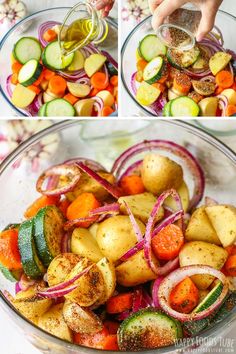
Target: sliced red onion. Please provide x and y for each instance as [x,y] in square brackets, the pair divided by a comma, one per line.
[8,86]
[210,201]
[113,208]
[134,223]
[65,243]
[139,246]
[110,59]
[72,173]
[25,282]
[155,289]
[137,300]
[189,159]
[17,287]
[157,107]
[74,75]
[110,188]
[231,52]
[84,81]
[57,293]
[223,103]
[221,39]
[123,315]
[180,274]
[147,300]
[133,83]
[43,28]
[94,165]
[71,223]
[98,104]
[209,78]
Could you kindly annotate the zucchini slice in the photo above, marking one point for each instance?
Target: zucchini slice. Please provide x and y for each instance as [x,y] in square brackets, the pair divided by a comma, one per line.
[194,327]
[148,328]
[52,57]
[30,261]
[48,233]
[184,107]
[153,70]
[59,108]
[147,94]
[166,110]
[225,309]
[27,48]
[151,47]
[183,59]
[111,69]
[30,72]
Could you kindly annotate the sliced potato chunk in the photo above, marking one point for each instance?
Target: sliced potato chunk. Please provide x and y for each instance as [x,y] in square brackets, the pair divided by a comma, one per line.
[78,90]
[94,63]
[223,219]
[184,196]
[84,244]
[22,97]
[84,108]
[107,269]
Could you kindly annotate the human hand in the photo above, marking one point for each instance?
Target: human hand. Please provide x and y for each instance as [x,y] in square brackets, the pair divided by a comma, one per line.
[163,8]
[104,5]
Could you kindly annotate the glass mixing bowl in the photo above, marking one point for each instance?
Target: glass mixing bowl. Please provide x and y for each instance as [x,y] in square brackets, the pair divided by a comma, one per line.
[224,21]
[17,179]
[29,27]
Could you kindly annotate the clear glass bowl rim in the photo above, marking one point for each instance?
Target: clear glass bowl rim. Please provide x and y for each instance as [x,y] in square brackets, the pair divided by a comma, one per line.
[201,134]
[31,16]
[126,42]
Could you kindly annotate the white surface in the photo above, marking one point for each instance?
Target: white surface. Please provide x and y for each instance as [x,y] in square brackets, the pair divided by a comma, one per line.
[130,109]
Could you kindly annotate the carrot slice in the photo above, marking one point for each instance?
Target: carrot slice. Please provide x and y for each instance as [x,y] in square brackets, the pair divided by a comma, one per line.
[139,76]
[9,251]
[114,80]
[230,110]
[94,340]
[110,88]
[81,207]
[48,74]
[93,92]
[112,326]
[40,79]
[38,204]
[110,342]
[224,79]
[231,250]
[14,79]
[218,90]
[132,185]
[106,111]
[233,86]
[185,296]
[35,89]
[119,303]
[16,66]
[230,266]
[50,35]
[141,64]
[63,206]
[71,98]
[57,85]
[167,243]
[182,83]
[99,81]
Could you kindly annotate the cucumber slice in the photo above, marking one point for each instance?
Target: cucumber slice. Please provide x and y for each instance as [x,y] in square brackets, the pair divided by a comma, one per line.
[184,107]
[166,110]
[31,264]
[11,275]
[151,47]
[52,57]
[59,108]
[42,110]
[30,72]
[225,309]
[48,233]
[148,328]
[147,94]
[27,48]
[194,327]
[183,59]
[153,70]
[111,69]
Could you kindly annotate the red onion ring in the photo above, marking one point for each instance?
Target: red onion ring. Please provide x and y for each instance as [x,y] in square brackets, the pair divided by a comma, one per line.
[151,223]
[110,188]
[57,293]
[72,172]
[113,208]
[65,243]
[155,289]
[98,104]
[69,224]
[84,81]
[223,103]
[110,59]
[134,223]
[17,287]
[149,145]
[176,277]
[133,83]
[94,165]
[8,86]
[209,78]
[137,300]
[43,28]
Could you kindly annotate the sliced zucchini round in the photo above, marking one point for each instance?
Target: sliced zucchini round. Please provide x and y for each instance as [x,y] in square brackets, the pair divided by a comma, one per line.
[146,329]
[153,70]
[183,59]
[42,110]
[184,107]
[31,263]
[27,48]
[59,108]
[30,72]
[166,110]
[204,88]
[151,47]
[52,57]
[48,233]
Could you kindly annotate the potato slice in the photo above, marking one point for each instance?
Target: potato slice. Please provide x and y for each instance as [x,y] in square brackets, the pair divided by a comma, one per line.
[204,253]
[84,108]
[107,98]
[115,236]
[219,61]
[184,196]
[60,267]
[83,243]
[93,230]
[80,319]
[78,90]
[90,285]
[160,173]
[94,63]
[22,97]
[200,228]
[53,322]
[109,275]
[209,106]
[135,271]
[78,62]
[231,95]
[223,219]
[141,206]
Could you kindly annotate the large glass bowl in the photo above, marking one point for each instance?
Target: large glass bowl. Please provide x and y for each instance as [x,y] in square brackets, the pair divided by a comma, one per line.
[17,180]
[29,27]
[224,21]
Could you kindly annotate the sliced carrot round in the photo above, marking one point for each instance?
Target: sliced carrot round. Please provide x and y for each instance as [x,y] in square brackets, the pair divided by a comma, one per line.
[224,79]
[9,251]
[99,81]
[185,296]
[106,111]
[132,185]
[57,85]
